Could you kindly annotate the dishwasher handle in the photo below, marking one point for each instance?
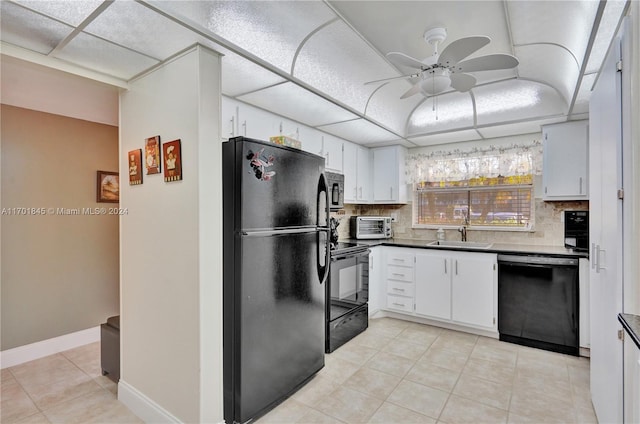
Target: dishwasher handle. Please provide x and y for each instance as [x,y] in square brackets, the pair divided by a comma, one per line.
[537,260]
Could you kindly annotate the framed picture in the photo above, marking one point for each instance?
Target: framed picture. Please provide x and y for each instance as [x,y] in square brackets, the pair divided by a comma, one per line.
[135,167]
[152,155]
[172,161]
[108,187]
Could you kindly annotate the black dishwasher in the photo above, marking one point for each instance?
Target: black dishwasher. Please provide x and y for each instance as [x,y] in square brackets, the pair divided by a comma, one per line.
[538,302]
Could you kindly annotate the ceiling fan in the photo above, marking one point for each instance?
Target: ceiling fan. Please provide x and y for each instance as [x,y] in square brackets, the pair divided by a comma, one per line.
[448,69]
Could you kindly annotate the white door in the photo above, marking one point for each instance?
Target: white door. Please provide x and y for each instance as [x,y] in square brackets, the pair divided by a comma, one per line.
[605,235]
[433,284]
[473,289]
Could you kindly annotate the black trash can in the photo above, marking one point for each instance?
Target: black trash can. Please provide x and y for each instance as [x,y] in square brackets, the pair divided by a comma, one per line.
[110,348]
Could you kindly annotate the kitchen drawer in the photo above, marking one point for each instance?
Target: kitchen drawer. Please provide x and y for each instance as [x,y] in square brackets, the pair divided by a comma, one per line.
[400,288]
[400,258]
[399,273]
[399,303]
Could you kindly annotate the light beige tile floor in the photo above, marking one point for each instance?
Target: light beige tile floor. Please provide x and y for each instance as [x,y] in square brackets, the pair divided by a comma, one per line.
[65,388]
[395,372]
[402,372]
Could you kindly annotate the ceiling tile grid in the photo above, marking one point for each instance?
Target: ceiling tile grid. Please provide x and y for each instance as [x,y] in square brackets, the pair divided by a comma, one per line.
[329,50]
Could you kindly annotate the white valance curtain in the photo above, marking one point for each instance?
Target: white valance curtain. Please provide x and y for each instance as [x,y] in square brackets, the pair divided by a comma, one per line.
[478,162]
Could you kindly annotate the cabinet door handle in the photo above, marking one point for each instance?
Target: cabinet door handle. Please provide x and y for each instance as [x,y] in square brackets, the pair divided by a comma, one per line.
[233,119]
[391,193]
[360,193]
[580,185]
[445,266]
[456,267]
[599,259]
[244,126]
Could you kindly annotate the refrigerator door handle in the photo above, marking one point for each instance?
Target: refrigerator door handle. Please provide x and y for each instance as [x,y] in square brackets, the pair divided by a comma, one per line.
[275,232]
[323,270]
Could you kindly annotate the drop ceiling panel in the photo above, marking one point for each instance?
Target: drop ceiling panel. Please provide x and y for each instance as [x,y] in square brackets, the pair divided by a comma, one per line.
[295,102]
[240,76]
[94,53]
[516,100]
[450,137]
[442,113]
[359,131]
[136,27]
[30,30]
[400,25]
[549,64]
[71,12]
[386,107]
[339,62]
[272,30]
[611,17]
[567,23]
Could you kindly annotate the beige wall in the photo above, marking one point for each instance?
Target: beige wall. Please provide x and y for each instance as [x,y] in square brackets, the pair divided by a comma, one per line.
[548,231]
[59,272]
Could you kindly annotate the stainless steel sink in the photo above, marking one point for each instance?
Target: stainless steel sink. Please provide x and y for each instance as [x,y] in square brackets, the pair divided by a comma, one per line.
[460,244]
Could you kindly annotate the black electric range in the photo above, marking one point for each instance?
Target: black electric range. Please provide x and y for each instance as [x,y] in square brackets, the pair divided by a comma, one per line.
[347,313]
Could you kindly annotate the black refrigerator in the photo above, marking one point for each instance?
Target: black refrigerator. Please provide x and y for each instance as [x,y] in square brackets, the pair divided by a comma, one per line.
[275,267]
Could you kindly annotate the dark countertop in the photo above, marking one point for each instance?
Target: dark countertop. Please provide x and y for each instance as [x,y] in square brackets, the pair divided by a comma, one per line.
[517,249]
[631,324]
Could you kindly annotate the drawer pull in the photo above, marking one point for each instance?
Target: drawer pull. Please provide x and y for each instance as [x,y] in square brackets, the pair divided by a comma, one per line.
[397,289]
[398,259]
[398,304]
[398,275]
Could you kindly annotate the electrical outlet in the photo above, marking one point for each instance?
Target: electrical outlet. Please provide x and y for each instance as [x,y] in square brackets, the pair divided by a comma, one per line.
[394,217]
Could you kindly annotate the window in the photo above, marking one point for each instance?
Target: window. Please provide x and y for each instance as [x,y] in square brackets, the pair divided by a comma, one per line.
[500,202]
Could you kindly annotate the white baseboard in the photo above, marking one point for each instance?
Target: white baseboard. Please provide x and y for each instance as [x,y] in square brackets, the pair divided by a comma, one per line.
[146,409]
[26,353]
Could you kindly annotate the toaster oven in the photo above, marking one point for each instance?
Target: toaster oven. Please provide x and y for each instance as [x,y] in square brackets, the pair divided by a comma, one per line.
[370,227]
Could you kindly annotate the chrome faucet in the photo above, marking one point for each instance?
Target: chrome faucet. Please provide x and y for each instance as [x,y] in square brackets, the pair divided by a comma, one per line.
[463,229]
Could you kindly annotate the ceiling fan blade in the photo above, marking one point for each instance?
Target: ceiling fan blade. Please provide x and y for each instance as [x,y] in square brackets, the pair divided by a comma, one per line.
[462,82]
[402,59]
[413,90]
[417,74]
[461,48]
[490,62]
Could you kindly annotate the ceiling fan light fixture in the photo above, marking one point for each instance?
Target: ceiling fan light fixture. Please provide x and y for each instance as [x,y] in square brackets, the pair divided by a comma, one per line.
[434,83]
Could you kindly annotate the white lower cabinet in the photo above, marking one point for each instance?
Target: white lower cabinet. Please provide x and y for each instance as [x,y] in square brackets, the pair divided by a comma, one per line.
[455,287]
[433,284]
[631,381]
[399,268]
[460,287]
[474,283]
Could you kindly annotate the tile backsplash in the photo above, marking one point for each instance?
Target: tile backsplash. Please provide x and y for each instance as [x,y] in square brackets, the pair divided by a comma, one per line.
[548,229]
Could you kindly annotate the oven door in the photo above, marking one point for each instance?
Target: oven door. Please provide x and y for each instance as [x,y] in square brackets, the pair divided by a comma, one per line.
[348,286]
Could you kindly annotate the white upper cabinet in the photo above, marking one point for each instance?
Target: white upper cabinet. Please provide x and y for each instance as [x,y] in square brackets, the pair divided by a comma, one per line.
[388,175]
[229,123]
[332,152]
[565,161]
[357,173]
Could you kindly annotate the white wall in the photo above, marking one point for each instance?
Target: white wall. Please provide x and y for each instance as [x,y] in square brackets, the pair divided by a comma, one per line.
[37,87]
[171,248]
